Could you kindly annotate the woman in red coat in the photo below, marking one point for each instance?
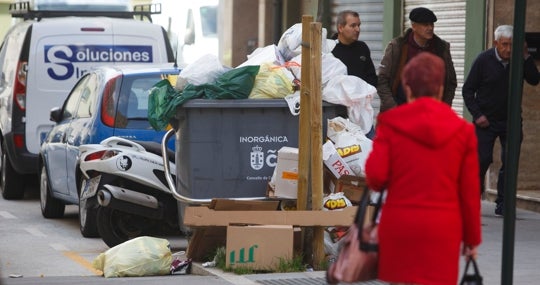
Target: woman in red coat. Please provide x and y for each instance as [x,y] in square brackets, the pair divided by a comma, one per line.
[426,157]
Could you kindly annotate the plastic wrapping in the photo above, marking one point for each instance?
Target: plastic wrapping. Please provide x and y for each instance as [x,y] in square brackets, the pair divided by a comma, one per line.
[141,256]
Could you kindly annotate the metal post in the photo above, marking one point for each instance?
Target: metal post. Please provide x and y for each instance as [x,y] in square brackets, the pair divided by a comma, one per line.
[513,142]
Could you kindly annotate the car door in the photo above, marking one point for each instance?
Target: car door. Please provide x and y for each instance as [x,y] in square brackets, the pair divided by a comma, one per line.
[80,130]
[54,148]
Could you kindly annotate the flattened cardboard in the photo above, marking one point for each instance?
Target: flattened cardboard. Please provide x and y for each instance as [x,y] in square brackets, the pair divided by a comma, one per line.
[239,205]
[258,247]
[202,217]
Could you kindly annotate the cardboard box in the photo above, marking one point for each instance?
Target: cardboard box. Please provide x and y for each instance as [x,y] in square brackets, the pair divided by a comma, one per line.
[201,216]
[334,161]
[352,186]
[286,182]
[258,247]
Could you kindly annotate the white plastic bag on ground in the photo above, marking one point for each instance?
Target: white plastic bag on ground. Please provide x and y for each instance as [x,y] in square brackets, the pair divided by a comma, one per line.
[204,70]
[350,142]
[356,95]
[141,256]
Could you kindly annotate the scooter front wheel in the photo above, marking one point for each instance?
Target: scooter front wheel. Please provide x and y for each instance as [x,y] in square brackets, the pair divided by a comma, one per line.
[116,227]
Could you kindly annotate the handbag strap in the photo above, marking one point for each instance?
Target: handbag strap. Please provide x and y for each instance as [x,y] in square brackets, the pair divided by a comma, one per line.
[476,271]
[363,206]
[475,266]
[359,220]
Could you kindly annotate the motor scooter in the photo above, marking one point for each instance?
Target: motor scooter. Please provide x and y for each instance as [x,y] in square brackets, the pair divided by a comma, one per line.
[124,192]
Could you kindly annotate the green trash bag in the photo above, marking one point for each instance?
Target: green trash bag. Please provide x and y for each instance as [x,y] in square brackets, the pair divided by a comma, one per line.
[164,99]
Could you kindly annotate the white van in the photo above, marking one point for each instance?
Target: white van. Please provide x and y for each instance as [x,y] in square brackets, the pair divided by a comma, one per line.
[42,57]
[192,27]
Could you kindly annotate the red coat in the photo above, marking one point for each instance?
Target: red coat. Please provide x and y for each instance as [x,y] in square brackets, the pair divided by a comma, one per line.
[425,155]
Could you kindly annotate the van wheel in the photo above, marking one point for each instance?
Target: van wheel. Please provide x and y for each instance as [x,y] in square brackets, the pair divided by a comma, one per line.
[88,216]
[12,183]
[50,207]
[116,227]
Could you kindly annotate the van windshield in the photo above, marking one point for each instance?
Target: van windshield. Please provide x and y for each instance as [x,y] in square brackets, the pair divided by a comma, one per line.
[209,21]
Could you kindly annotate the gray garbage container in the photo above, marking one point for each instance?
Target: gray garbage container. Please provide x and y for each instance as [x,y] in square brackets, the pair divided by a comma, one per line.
[228,148]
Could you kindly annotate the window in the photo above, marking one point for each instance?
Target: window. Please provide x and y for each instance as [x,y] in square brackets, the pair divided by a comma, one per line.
[209,21]
[70,106]
[87,105]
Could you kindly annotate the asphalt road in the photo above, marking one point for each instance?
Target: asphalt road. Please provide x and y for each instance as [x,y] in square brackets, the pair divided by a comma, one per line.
[35,250]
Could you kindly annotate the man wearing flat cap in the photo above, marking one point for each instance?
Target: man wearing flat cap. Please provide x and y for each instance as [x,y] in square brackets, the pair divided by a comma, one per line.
[420,37]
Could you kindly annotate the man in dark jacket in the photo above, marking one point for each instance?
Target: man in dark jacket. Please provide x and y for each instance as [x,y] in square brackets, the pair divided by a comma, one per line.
[485,93]
[353,53]
[419,38]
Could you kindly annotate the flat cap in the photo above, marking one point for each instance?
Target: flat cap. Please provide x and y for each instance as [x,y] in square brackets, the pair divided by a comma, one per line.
[422,15]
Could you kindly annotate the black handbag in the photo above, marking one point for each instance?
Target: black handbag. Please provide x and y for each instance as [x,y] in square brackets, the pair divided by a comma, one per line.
[471,278]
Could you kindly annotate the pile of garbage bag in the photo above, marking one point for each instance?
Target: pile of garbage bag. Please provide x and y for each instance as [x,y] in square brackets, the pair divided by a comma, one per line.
[271,72]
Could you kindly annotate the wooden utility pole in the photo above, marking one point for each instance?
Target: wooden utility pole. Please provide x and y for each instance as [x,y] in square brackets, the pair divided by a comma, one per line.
[304,144]
[316,139]
[310,164]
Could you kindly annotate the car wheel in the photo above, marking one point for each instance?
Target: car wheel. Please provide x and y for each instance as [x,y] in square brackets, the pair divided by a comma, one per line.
[116,227]
[88,215]
[50,207]
[12,183]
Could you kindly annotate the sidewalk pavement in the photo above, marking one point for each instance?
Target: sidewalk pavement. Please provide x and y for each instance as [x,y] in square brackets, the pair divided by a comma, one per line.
[526,265]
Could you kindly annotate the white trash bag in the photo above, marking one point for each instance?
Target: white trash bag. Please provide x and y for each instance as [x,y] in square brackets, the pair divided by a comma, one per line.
[290,43]
[204,70]
[356,95]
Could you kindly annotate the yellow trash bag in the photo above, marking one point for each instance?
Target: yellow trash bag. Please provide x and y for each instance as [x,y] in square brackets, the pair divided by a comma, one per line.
[271,83]
[141,256]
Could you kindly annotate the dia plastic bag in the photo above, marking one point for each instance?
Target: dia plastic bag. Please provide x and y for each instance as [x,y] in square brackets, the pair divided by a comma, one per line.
[351,143]
[141,256]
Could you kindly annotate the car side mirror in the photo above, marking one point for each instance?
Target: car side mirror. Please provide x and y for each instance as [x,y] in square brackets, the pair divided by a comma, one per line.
[56,114]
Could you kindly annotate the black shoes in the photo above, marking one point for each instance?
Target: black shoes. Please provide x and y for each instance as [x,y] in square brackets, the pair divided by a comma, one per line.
[499,210]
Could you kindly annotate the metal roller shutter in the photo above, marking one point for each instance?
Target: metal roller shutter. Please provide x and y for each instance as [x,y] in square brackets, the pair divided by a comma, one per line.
[450,26]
